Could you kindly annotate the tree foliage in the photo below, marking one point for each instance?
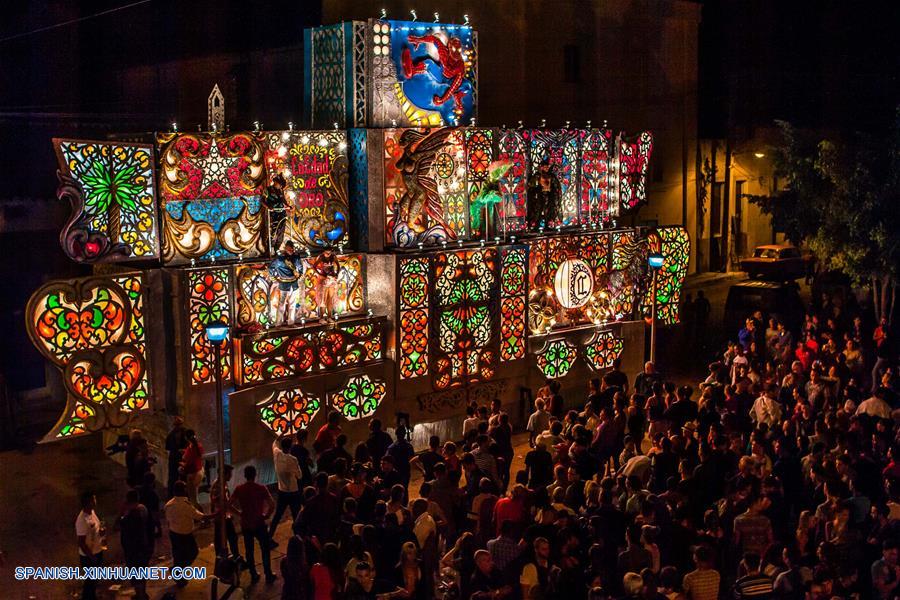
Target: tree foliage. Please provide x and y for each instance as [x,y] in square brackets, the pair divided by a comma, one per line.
[841,198]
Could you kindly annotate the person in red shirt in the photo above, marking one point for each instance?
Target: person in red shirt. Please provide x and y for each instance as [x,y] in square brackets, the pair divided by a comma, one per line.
[192,465]
[326,438]
[327,575]
[253,503]
[511,508]
[803,355]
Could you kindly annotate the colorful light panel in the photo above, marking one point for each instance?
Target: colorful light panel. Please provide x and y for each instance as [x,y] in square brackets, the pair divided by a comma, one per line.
[111,189]
[360,397]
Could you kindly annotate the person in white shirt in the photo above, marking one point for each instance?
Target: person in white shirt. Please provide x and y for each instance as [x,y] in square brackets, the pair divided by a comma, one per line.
[472,419]
[180,515]
[288,474]
[766,408]
[550,437]
[538,422]
[426,532]
[90,532]
[739,360]
[875,406]
[536,574]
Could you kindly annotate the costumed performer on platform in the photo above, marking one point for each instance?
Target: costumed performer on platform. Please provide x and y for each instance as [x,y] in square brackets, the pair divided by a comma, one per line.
[544,196]
[285,270]
[278,209]
[327,268]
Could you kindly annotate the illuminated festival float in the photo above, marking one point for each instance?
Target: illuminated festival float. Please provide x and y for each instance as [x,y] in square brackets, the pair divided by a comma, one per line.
[391,259]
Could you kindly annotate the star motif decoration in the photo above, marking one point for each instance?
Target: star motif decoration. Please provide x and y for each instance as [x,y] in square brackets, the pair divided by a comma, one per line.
[214,167]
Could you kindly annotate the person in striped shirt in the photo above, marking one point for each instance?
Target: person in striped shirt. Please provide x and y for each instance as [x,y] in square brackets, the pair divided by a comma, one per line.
[703,582]
[755,584]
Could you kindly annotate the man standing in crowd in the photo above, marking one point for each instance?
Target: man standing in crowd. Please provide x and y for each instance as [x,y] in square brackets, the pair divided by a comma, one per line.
[253,503]
[90,533]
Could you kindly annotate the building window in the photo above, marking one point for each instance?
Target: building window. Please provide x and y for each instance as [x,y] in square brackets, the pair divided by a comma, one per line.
[571,64]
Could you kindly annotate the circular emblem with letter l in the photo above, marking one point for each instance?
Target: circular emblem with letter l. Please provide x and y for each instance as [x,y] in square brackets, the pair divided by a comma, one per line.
[574,283]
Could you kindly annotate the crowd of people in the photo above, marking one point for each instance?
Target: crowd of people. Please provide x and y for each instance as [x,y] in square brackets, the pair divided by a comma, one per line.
[777,476]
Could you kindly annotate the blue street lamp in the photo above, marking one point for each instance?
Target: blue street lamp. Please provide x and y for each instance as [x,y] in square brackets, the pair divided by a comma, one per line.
[655,260]
[216,333]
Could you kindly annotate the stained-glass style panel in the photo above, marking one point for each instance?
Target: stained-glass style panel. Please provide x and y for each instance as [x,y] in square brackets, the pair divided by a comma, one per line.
[556,358]
[288,411]
[512,149]
[413,330]
[634,162]
[413,282]
[92,329]
[602,349]
[568,280]
[425,186]
[479,155]
[111,189]
[211,187]
[423,74]
[413,343]
[512,305]
[134,288]
[315,170]
[622,249]
[675,246]
[596,151]
[560,147]
[464,289]
[279,354]
[360,397]
[208,302]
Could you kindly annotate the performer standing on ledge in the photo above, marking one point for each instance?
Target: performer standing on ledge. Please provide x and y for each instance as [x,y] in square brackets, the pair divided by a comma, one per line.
[278,209]
[285,270]
[544,195]
[327,268]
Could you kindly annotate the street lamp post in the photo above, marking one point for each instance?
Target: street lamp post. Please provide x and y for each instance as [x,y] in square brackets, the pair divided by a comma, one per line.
[216,333]
[655,260]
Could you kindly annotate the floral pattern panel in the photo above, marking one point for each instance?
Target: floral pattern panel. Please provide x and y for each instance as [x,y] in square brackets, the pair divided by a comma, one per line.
[464,321]
[602,350]
[281,354]
[208,302]
[360,397]
[513,271]
[286,412]
[556,358]
[413,329]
